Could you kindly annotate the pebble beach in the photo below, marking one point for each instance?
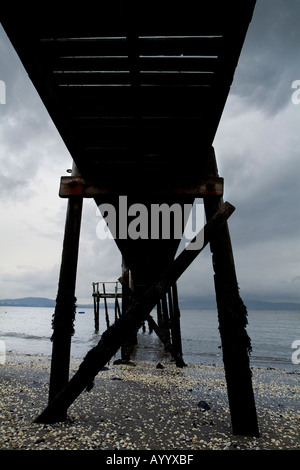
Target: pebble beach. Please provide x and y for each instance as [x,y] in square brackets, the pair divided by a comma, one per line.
[141,407]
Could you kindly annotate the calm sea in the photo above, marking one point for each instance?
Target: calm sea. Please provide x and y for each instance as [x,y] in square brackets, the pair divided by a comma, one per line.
[28,330]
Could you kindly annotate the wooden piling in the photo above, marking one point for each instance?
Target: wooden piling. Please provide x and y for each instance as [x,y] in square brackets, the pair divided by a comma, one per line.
[165,318]
[126,347]
[159,314]
[64,314]
[105,306]
[232,315]
[96,298]
[168,327]
[166,342]
[97,313]
[175,321]
[117,307]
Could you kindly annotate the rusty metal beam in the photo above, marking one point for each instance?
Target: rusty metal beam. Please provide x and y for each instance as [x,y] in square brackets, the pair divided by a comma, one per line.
[72,186]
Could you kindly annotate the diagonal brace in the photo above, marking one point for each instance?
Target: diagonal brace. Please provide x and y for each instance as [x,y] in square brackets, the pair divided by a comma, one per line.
[116,334]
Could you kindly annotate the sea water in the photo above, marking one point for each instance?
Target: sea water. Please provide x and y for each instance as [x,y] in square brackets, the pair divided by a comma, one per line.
[28,330]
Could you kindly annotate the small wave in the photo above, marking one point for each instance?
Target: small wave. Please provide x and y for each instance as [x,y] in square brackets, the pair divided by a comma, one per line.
[270,360]
[23,336]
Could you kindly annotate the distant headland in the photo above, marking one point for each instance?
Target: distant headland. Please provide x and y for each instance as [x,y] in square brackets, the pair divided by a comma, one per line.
[185,303]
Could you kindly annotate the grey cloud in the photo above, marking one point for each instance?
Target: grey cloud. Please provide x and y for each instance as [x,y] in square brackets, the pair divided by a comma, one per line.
[29,139]
[18,185]
[30,281]
[269,62]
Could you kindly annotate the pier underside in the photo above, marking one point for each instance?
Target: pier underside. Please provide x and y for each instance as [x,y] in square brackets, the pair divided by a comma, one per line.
[136,91]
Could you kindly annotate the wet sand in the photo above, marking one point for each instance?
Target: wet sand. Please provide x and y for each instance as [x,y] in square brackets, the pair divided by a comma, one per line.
[140,407]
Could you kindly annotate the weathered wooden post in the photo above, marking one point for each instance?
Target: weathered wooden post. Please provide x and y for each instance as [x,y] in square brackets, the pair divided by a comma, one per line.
[126,348]
[96,313]
[232,315]
[168,324]
[175,320]
[96,298]
[117,307]
[64,314]
[165,318]
[105,305]
[159,315]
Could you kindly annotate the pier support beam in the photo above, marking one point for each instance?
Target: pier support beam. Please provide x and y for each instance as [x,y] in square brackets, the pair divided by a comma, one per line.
[64,314]
[96,312]
[128,345]
[232,315]
[175,320]
[168,324]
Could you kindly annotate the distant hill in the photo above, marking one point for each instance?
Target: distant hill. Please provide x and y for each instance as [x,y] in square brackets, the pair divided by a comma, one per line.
[41,302]
[28,302]
[185,303]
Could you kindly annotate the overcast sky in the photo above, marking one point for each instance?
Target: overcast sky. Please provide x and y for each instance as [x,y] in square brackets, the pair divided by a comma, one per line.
[258,152]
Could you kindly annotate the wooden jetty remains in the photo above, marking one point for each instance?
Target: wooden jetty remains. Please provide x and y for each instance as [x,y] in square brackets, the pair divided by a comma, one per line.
[100,292]
[136,91]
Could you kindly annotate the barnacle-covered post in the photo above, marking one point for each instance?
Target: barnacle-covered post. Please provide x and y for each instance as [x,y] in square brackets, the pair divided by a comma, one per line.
[232,315]
[64,314]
